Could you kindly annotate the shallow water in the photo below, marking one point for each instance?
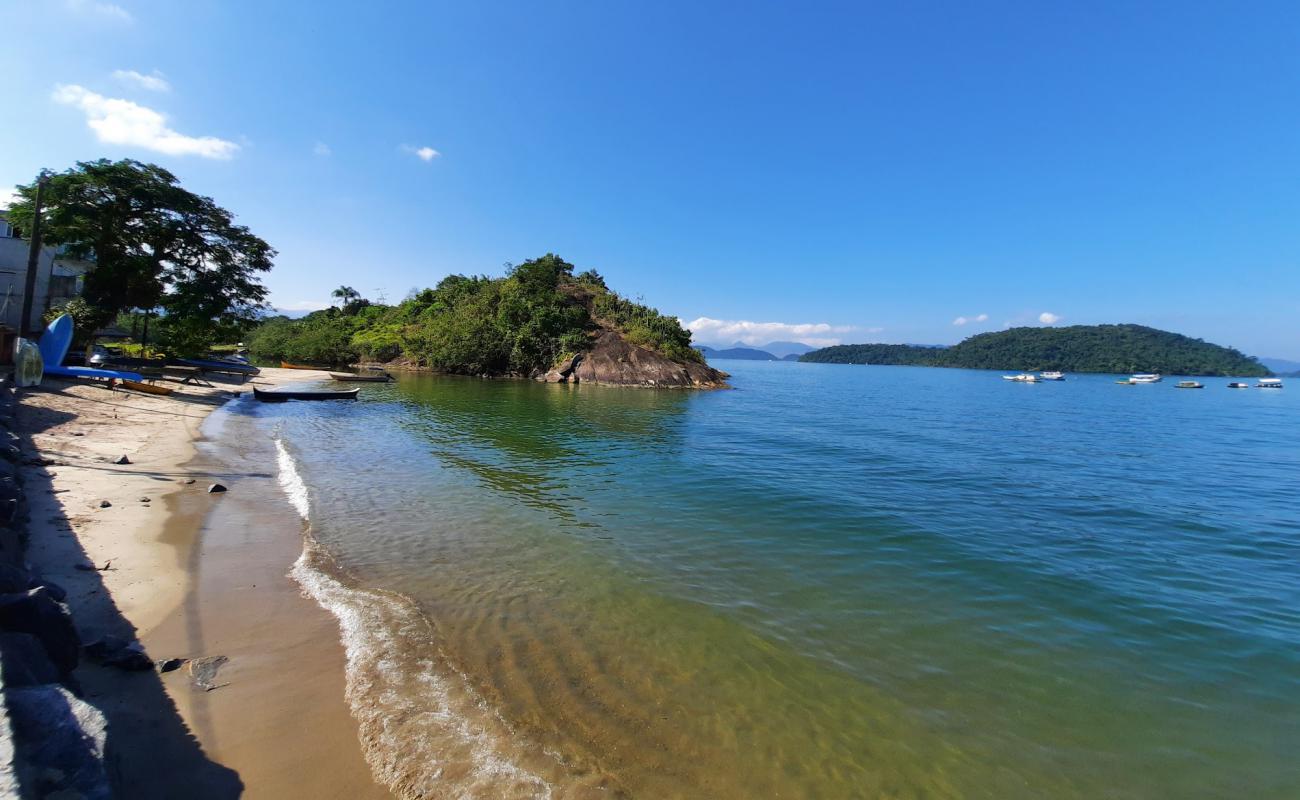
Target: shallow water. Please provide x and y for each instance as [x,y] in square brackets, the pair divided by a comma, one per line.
[832,581]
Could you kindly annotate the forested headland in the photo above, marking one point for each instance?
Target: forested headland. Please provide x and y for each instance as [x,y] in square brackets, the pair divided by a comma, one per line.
[1077,348]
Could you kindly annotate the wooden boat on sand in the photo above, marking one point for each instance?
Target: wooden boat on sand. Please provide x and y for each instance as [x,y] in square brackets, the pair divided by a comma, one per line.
[147,388]
[280,396]
[378,377]
[287,365]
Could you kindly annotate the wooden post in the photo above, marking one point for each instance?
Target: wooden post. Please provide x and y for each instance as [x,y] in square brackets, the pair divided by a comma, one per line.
[33,257]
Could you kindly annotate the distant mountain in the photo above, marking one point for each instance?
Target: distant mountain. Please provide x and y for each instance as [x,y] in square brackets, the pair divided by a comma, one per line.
[792,357]
[783,349]
[742,353]
[1280,365]
[1075,348]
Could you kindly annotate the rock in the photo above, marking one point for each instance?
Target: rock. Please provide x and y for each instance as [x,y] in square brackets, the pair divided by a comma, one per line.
[14,579]
[11,453]
[146,500]
[171,664]
[216,488]
[114,651]
[59,743]
[57,592]
[203,671]
[122,459]
[78,433]
[616,362]
[37,613]
[188,481]
[24,662]
[105,504]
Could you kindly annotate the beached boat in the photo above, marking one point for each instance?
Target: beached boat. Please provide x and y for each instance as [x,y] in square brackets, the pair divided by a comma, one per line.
[1269,383]
[1051,375]
[147,388]
[280,396]
[1238,385]
[1021,378]
[1190,385]
[287,365]
[378,377]
[1146,377]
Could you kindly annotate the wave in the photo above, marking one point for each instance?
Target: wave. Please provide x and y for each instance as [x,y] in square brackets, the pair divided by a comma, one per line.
[424,731]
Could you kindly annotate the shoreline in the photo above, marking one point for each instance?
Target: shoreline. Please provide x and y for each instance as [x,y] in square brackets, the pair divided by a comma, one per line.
[189,575]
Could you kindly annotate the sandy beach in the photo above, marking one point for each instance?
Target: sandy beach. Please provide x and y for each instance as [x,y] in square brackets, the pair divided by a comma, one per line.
[147,553]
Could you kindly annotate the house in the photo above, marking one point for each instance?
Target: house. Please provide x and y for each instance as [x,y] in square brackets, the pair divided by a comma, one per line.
[58,277]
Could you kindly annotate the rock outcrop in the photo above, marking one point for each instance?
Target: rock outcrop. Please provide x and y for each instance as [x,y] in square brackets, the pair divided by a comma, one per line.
[613,361]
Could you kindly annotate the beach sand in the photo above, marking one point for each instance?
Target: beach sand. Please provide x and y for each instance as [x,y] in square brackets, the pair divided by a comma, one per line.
[190,575]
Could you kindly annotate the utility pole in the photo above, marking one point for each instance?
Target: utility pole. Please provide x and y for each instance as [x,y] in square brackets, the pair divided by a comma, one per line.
[33,256]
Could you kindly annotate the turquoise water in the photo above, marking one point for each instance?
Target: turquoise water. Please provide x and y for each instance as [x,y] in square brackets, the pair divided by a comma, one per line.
[832,581]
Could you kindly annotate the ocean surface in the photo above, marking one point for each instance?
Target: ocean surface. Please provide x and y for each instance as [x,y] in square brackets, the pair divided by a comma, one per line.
[830,582]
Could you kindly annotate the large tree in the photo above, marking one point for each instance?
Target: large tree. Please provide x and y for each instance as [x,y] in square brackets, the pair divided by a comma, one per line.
[155,245]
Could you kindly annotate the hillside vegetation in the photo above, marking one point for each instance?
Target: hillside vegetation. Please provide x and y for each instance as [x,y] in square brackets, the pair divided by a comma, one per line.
[1077,348]
[535,317]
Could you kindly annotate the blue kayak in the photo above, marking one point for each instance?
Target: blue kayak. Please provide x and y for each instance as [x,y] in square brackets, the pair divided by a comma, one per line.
[54,346]
[89,372]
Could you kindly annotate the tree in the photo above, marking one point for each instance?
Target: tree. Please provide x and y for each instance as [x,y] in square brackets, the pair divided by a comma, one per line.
[347,294]
[155,245]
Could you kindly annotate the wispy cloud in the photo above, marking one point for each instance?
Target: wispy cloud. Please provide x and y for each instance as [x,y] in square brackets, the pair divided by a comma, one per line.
[964,320]
[425,154]
[1048,318]
[154,82]
[101,9]
[321,149]
[726,331]
[117,121]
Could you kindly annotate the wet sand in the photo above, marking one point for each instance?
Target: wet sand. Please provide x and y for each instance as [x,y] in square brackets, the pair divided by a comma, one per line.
[190,575]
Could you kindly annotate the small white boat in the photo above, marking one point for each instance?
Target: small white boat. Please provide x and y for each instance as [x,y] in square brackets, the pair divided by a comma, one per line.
[1190,385]
[1146,377]
[1238,385]
[1051,375]
[1023,377]
[1269,383]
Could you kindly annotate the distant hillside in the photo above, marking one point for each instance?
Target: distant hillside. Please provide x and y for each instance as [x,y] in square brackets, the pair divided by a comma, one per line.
[742,353]
[1281,366]
[784,349]
[1077,348]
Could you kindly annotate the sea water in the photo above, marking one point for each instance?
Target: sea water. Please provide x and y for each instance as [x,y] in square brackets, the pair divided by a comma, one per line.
[832,581]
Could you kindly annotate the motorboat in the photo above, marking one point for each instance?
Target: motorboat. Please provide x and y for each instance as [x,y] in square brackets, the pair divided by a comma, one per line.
[1269,383]
[1190,385]
[1051,375]
[1146,377]
[1238,385]
[1023,377]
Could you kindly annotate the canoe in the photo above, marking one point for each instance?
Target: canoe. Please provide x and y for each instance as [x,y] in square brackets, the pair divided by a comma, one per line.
[216,365]
[87,372]
[281,396]
[147,388]
[287,365]
[382,377]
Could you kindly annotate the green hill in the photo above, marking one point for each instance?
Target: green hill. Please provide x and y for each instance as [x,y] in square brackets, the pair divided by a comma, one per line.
[1077,348]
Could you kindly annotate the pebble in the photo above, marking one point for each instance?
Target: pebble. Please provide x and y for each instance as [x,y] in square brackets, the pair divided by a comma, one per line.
[216,487]
[122,460]
[105,504]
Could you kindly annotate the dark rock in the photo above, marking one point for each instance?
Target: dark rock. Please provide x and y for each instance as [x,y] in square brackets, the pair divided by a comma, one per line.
[59,742]
[57,592]
[146,500]
[215,488]
[114,651]
[105,504]
[122,460]
[24,662]
[14,579]
[78,433]
[188,481]
[171,664]
[37,613]
[11,453]
[616,362]
[203,671]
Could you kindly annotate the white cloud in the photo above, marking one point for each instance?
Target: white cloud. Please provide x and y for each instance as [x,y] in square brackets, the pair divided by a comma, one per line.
[982,318]
[110,10]
[425,154]
[321,149]
[304,305]
[117,121]
[727,331]
[155,82]
[963,320]
[1048,318]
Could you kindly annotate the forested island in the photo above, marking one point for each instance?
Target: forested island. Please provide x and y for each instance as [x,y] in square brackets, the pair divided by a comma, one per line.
[540,320]
[1076,348]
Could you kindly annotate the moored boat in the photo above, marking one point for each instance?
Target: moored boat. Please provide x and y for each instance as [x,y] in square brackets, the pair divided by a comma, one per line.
[287,365]
[1190,385]
[1051,375]
[1146,377]
[1269,383]
[1238,385]
[1023,377]
[377,377]
[281,395]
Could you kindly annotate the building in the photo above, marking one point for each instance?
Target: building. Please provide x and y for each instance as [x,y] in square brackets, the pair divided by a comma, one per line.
[58,278]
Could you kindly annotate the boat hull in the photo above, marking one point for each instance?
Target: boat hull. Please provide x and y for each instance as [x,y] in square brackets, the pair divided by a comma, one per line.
[283,396]
[351,378]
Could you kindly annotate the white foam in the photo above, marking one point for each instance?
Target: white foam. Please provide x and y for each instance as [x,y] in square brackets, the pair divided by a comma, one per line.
[424,731]
[291,480]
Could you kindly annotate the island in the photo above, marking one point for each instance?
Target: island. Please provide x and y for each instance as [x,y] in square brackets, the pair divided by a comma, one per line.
[539,321]
[1076,348]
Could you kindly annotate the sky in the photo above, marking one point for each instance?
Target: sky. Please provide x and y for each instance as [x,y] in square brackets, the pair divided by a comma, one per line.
[868,171]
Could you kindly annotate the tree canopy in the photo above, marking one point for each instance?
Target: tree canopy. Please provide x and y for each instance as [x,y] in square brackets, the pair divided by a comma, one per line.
[526,322]
[156,246]
[1076,348]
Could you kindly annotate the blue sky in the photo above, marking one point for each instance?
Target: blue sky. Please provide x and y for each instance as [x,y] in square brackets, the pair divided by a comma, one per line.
[825,172]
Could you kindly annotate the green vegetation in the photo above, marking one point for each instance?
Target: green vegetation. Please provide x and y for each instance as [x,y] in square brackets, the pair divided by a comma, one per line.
[158,249]
[538,315]
[1077,348]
